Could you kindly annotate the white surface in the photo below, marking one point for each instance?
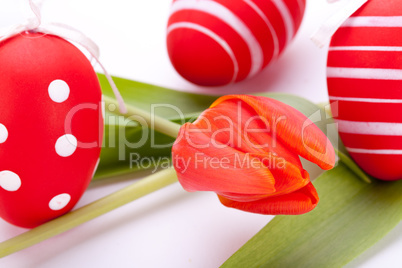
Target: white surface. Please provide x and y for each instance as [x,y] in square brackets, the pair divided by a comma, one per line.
[170,228]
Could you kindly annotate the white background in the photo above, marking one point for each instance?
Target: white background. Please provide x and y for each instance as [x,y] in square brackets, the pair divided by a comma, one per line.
[170,228]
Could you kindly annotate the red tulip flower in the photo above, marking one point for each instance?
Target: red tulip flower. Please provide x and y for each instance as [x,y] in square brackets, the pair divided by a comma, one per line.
[246,149]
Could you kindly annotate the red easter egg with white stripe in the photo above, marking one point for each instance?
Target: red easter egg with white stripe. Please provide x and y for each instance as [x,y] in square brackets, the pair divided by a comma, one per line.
[50,127]
[364,76]
[216,42]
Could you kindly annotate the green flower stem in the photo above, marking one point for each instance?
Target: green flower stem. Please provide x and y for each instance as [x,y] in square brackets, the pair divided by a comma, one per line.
[95,209]
[153,121]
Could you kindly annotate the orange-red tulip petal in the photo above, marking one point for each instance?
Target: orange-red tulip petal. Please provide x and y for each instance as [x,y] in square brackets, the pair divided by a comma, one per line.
[215,169]
[298,202]
[292,127]
[246,149]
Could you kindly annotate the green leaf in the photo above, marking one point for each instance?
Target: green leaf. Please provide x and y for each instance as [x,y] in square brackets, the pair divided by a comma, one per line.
[126,143]
[350,217]
[144,95]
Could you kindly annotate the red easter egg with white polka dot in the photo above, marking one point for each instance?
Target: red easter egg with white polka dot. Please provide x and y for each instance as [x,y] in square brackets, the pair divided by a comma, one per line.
[50,127]
[364,76]
[216,42]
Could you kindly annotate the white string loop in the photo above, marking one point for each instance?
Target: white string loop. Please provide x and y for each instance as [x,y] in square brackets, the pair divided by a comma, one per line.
[323,35]
[66,32]
[34,23]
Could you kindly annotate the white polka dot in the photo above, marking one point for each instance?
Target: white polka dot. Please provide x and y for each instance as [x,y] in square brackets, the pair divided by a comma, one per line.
[59,201]
[96,167]
[66,145]
[3,133]
[59,91]
[9,181]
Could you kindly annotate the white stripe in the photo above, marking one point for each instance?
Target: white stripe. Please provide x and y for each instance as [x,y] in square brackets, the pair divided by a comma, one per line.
[374,151]
[373,21]
[227,16]
[364,48]
[364,73]
[287,19]
[330,26]
[268,23]
[213,36]
[370,100]
[302,7]
[370,128]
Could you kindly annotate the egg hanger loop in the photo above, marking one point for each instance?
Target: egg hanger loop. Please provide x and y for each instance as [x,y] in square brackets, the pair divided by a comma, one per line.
[324,33]
[35,22]
[66,32]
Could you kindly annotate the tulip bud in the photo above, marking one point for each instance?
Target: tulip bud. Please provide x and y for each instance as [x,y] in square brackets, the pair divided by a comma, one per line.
[246,149]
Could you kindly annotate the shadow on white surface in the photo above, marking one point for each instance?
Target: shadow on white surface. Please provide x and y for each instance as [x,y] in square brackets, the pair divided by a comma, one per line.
[379,256]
